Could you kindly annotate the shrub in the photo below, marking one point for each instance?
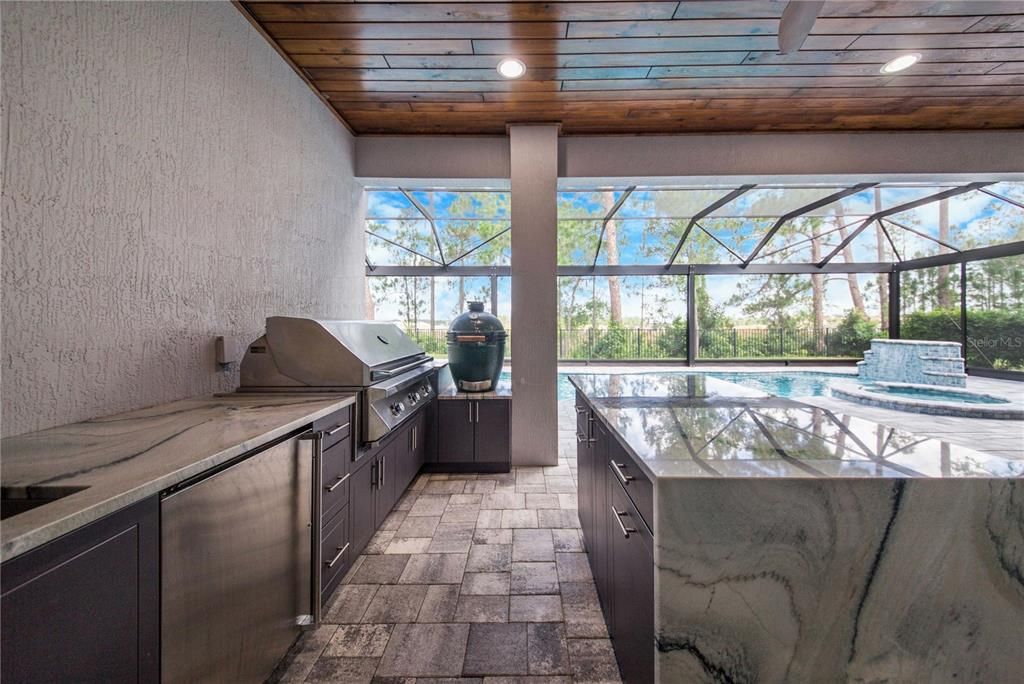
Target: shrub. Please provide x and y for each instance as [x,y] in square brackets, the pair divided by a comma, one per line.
[994,338]
[671,341]
[853,335]
[613,344]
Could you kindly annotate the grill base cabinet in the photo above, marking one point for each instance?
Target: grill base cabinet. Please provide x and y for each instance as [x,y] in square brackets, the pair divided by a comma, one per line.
[380,476]
[619,543]
[473,434]
[86,607]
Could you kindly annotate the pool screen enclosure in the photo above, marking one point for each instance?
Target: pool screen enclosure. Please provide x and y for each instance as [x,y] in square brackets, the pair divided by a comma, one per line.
[695,273]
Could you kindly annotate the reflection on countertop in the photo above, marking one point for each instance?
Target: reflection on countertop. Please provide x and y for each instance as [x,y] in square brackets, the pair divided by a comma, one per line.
[111,462]
[691,425]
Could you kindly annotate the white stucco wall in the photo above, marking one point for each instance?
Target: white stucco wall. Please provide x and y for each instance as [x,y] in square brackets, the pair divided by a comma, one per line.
[167,178]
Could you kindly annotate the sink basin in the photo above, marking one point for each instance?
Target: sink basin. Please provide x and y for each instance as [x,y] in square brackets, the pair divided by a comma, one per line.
[15,500]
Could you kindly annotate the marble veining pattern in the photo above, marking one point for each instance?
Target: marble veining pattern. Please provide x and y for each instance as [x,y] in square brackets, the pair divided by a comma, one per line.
[840,580]
[126,457]
[772,564]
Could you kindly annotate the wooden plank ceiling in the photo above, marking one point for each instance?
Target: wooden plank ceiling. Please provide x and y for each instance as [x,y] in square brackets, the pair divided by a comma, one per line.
[654,67]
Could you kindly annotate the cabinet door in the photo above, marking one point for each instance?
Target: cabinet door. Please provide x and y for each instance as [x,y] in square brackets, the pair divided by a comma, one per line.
[585,490]
[420,441]
[387,473]
[86,606]
[405,457]
[492,431]
[632,586]
[430,432]
[362,500]
[455,431]
[602,531]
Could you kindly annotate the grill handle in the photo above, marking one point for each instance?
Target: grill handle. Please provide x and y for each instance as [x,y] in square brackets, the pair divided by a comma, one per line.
[390,372]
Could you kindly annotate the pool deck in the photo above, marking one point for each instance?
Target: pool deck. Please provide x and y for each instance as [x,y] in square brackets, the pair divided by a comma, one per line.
[999,437]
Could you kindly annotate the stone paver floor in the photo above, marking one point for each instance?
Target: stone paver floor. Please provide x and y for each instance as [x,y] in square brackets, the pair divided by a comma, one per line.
[472,578]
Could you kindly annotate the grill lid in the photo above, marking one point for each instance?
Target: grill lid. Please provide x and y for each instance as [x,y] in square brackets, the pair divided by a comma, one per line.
[328,353]
[475,326]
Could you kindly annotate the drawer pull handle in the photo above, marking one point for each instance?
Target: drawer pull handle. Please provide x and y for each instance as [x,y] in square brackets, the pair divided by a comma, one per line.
[337,428]
[580,409]
[617,467]
[618,518]
[337,483]
[341,552]
[581,438]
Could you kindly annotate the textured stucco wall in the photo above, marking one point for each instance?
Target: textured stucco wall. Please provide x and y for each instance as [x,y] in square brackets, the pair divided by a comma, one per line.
[167,178]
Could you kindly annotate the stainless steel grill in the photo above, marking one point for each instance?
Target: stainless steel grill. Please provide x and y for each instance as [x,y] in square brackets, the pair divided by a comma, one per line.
[391,372]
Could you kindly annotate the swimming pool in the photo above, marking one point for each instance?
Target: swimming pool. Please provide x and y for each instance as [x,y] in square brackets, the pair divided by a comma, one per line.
[781,384]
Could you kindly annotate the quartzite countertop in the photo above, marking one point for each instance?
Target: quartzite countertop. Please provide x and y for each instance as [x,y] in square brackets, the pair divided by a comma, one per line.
[795,544]
[127,457]
[691,425]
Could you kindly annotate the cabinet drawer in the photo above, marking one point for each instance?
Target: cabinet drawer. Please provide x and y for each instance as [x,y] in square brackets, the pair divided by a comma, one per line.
[335,552]
[634,481]
[335,467]
[336,426]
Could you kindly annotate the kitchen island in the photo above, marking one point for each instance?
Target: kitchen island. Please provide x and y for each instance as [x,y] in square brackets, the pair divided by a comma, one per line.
[768,540]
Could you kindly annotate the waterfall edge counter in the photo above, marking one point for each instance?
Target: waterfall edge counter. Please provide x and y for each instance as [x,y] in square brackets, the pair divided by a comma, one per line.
[788,546]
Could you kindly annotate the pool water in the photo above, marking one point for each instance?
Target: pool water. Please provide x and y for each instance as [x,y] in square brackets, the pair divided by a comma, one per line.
[935,394]
[790,384]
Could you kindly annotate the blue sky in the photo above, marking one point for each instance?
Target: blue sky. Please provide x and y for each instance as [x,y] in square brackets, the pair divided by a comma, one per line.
[760,207]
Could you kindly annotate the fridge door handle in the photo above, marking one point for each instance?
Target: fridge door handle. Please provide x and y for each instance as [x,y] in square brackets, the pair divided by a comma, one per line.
[317,438]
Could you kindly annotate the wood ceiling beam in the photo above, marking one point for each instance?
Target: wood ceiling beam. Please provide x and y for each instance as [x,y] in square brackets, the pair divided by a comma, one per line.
[692,66]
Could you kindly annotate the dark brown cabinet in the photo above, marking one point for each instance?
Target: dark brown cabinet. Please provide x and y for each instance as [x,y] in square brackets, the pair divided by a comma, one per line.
[619,543]
[601,557]
[336,468]
[416,450]
[474,433]
[455,431]
[86,606]
[363,503]
[335,553]
[585,475]
[631,588]
[381,475]
[387,469]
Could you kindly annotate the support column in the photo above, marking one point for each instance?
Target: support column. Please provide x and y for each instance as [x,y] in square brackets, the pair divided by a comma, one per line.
[534,173]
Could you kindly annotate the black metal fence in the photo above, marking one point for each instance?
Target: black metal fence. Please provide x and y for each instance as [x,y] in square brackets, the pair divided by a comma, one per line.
[786,343]
[642,344]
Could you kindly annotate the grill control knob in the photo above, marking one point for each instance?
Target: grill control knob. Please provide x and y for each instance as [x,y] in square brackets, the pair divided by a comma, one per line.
[396,409]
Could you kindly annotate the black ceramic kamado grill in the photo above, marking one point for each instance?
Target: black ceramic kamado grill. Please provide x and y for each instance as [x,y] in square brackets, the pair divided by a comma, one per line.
[476,349]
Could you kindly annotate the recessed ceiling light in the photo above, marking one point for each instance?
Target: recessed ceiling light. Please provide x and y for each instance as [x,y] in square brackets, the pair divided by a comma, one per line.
[511,68]
[900,63]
